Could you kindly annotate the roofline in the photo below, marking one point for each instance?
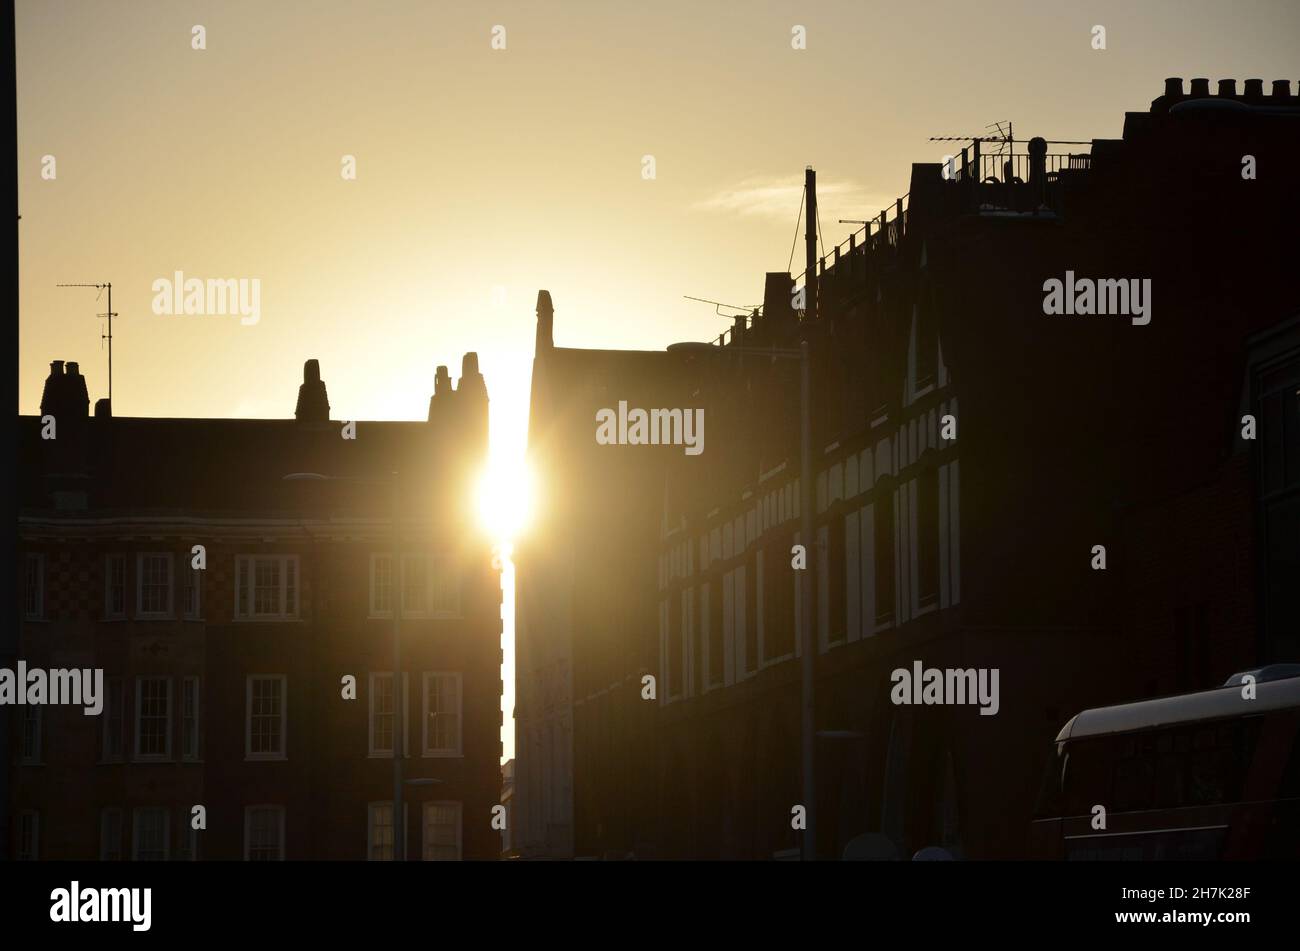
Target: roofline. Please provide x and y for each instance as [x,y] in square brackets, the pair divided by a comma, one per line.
[1218,704]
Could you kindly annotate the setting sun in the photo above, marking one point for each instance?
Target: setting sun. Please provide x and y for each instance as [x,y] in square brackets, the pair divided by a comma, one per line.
[505,501]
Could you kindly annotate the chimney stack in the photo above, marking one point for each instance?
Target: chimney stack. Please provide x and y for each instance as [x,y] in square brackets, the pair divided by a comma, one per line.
[65,396]
[1038,169]
[313,401]
[66,399]
[545,323]
[778,305]
[472,406]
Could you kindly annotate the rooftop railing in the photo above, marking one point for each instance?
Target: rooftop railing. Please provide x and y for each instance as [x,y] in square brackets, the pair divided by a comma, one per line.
[998,180]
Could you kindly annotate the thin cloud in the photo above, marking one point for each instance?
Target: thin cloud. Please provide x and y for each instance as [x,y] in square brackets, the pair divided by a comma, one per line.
[779,198]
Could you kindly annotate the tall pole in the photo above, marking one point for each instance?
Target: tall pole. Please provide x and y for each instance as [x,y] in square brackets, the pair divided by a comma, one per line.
[810,243]
[806,478]
[399,698]
[110,343]
[805,603]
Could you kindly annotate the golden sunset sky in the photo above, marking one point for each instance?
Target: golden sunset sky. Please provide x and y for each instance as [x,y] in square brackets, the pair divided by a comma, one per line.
[483,175]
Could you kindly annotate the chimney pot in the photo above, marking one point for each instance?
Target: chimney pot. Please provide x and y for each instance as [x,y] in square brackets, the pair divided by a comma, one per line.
[1228,87]
[1281,89]
[313,400]
[441,381]
[103,409]
[545,339]
[74,368]
[469,365]
[738,328]
[56,368]
[1174,86]
[1254,88]
[1200,87]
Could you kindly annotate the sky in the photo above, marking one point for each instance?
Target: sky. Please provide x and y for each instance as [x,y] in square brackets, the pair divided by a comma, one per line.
[484,174]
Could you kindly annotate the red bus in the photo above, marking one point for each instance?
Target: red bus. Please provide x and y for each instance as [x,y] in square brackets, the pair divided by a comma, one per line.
[1208,775]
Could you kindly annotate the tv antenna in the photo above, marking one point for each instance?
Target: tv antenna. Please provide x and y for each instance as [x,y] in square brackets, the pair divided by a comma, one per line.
[110,314]
[747,308]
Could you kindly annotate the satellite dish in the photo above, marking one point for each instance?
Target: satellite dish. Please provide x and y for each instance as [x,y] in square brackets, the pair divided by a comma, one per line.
[932,853]
[871,847]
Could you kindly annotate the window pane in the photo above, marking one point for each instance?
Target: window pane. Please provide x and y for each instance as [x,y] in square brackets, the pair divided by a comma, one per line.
[381,594]
[266,586]
[28,832]
[264,833]
[32,733]
[116,585]
[110,835]
[444,713]
[153,717]
[154,583]
[290,587]
[190,718]
[32,602]
[242,585]
[382,739]
[265,715]
[415,573]
[113,719]
[441,832]
[381,832]
[445,593]
[151,835]
[192,592]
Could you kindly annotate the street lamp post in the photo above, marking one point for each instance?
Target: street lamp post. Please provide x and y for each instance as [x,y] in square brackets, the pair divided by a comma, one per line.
[399,695]
[807,641]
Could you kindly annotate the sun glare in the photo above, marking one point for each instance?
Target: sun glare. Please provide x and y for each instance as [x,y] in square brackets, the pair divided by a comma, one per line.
[505,501]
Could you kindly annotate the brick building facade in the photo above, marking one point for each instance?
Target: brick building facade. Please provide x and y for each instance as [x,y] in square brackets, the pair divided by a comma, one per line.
[973,549]
[225,685]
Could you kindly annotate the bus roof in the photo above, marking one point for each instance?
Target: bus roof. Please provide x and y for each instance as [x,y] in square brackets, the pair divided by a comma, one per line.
[1217,704]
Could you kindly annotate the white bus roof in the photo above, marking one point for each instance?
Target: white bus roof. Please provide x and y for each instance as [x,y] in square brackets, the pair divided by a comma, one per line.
[1217,704]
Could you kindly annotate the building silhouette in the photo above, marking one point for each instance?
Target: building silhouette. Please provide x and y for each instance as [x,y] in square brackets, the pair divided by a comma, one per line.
[227,607]
[975,449]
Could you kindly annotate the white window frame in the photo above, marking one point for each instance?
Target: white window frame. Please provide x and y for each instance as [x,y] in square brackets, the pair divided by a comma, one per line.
[278,811]
[189,845]
[375,676]
[105,845]
[375,559]
[109,560]
[283,753]
[35,852]
[152,757]
[246,566]
[443,565]
[450,752]
[426,844]
[37,714]
[432,566]
[166,831]
[37,559]
[196,719]
[170,561]
[114,711]
[193,583]
[370,827]
[409,559]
